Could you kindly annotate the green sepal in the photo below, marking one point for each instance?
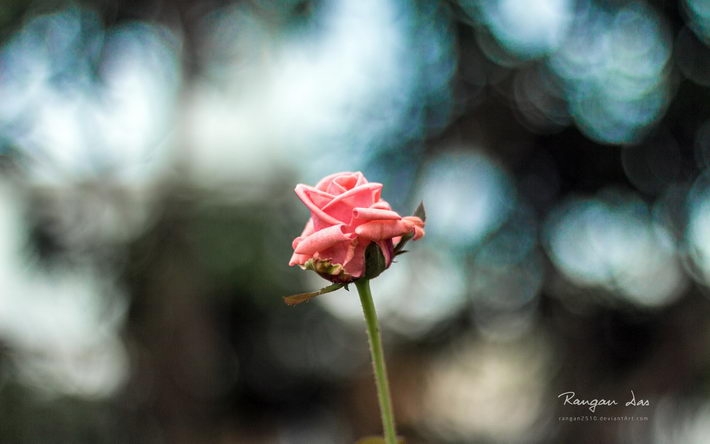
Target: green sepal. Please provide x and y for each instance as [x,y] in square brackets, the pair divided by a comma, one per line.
[305,297]
[420,212]
[375,262]
[399,249]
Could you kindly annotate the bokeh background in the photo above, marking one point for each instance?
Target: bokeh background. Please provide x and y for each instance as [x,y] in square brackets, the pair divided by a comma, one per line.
[148,154]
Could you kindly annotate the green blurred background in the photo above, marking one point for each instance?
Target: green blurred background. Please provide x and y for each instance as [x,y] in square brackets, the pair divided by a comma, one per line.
[148,154]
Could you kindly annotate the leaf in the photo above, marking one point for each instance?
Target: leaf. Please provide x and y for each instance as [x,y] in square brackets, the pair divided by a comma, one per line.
[296,299]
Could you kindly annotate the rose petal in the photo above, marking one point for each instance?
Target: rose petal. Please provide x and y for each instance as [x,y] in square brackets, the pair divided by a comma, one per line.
[382,229]
[382,205]
[372,213]
[315,199]
[308,229]
[323,240]
[363,196]
[416,224]
[343,183]
[338,183]
[387,248]
[355,266]
[298,259]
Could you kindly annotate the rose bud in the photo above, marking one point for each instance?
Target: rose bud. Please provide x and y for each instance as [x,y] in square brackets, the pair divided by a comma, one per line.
[352,232]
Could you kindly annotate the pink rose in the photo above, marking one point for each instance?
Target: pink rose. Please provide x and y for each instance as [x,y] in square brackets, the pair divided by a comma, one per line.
[347,215]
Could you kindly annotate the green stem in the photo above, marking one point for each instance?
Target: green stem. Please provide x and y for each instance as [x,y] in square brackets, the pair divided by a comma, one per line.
[378,360]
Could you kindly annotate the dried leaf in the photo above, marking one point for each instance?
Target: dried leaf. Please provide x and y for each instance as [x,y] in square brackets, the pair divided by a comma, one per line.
[305,297]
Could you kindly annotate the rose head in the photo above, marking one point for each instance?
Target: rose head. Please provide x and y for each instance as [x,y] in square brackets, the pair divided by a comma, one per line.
[348,215]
